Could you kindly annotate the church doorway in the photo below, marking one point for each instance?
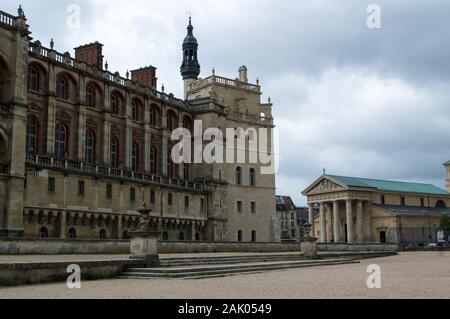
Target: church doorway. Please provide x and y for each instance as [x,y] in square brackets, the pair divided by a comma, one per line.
[383,237]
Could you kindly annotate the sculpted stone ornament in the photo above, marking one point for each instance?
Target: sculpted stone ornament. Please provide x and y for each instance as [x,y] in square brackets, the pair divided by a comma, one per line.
[325,185]
[144,241]
[308,243]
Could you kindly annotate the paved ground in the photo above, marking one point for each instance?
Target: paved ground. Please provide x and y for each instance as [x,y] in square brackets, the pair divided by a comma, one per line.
[409,275]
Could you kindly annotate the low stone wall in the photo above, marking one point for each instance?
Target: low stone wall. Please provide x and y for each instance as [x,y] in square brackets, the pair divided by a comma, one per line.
[15,274]
[33,246]
[358,247]
[196,247]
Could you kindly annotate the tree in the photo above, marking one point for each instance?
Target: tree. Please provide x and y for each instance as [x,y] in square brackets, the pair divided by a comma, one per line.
[445,225]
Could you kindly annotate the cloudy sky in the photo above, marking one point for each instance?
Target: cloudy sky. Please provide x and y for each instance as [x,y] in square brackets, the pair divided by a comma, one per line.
[357,101]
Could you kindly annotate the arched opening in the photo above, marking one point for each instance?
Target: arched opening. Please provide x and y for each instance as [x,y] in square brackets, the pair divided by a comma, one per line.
[32,135]
[114,152]
[72,234]
[239,176]
[197,237]
[239,236]
[103,234]
[165,236]
[252,173]
[33,78]
[89,147]
[171,120]
[43,232]
[154,115]
[135,157]
[115,104]
[62,88]
[441,204]
[254,236]
[187,123]
[181,236]
[60,141]
[90,96]
[125,235]
[153,159]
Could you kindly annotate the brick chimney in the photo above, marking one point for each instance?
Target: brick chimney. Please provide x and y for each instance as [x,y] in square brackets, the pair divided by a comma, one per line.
[145,76]
[91,54]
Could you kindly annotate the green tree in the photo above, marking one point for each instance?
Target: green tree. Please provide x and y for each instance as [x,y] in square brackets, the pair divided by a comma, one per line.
[445,225]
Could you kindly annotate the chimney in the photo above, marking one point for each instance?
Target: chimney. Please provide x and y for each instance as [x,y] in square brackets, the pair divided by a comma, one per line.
[145,76]
[91,54]
[243,74]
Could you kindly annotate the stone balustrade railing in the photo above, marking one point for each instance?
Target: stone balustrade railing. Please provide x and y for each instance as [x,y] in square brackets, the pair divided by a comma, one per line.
[251,117]
[6,19]
[223,81]
[105,171]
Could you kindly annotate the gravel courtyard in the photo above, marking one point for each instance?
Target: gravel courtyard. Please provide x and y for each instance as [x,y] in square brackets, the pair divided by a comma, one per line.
[408,275]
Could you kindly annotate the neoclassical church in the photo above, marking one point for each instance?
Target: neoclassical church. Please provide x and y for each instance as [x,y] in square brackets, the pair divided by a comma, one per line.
[81,147]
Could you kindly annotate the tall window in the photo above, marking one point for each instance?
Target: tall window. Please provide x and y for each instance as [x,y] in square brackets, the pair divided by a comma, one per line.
[61,88]
[134,110]
[239,176]
[153,160]
[32,132]
[252,177]
[33,79]
[171,120]
[90,96]
[43,232]
[239,236]
[254,236]
[114,104]
[114,152]
[60,141]
[170,165]
[89,147]
[134,157]
[153,116]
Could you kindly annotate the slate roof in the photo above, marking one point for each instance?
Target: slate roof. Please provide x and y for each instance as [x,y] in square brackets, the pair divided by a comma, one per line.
[415,211]
[384,185]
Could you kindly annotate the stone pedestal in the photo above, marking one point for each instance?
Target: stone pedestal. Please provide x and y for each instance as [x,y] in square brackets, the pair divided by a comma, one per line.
[308,247]
[144,241]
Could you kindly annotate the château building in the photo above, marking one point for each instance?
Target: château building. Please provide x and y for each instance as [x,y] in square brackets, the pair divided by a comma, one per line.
[81,147]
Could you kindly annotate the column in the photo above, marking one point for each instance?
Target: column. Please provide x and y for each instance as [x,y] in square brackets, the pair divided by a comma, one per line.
[329,222]
[360,222]
[81,133]
[63,226]
[350,232]
[106,140]
[368,215]
[311,220]
[323,224]
[336,222]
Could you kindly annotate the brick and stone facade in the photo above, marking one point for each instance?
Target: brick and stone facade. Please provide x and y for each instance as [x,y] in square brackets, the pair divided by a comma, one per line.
[81,148]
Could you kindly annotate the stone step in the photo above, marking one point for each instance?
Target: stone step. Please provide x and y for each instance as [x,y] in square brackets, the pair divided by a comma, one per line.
[217,261]
[224,270]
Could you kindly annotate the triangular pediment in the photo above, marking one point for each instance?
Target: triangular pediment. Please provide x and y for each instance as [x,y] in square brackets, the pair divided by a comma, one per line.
[324,185]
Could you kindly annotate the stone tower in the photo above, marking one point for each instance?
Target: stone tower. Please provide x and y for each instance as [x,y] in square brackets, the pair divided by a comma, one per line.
[190,69]
[447,174]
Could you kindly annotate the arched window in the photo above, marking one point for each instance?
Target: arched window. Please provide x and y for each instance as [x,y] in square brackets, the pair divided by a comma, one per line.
[254,236]
[89,147]
[440,204]
[153,115]
[115,107]
[60,141]
[197,237]
[134,157]
[43,232]
[90,96]
[171,120]
[239,176]
[32,134]
[187,123]
[252,177]
[171,167]
[181,236]
[61,88]
[239,236]
[125,235]
[103,234]
[33,79]
[72,234]
[153,162]
[165,236]
[135,110]
[114,152]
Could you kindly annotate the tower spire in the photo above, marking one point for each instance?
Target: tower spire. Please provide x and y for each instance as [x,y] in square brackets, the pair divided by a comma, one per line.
[190,68]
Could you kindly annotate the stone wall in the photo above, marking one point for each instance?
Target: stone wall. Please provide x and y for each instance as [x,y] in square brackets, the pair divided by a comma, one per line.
[357,247]
[122,247]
